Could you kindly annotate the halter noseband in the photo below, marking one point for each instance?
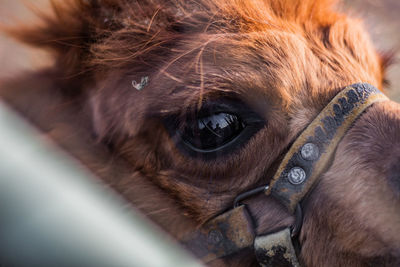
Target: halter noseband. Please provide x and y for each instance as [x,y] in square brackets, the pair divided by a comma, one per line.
[307,159]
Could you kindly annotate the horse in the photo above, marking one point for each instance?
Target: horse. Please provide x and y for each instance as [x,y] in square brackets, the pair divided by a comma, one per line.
[183,105]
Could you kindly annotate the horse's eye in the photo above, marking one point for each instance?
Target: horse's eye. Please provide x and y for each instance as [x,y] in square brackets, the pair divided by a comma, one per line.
[219,128]
[212,132]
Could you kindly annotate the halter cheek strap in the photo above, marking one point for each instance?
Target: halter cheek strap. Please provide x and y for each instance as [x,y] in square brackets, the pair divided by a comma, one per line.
[309,156]
[313,150]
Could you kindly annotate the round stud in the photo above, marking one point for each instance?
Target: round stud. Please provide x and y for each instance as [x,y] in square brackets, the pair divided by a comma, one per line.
[297,176]
[310,152]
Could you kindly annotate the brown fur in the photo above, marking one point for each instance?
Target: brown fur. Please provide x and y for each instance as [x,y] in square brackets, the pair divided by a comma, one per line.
[284,58]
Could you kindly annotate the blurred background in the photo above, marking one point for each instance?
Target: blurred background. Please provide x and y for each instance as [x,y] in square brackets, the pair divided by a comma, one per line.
[381,18]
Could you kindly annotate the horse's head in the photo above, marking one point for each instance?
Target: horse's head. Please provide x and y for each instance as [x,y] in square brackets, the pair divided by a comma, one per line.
[204,99]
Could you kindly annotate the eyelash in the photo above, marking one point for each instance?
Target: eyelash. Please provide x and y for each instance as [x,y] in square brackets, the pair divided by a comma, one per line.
[245,120]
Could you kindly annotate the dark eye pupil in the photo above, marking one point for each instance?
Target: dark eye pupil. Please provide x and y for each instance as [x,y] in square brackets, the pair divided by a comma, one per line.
[214,131]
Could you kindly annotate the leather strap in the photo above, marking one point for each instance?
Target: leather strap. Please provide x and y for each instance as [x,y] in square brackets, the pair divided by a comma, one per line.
[276,250]
[224,235]
[312,151]
[306,160]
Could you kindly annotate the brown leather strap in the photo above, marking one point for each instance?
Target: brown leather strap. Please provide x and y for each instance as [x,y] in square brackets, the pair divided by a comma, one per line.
[276,250]
[307,159]
[224,235]
[312,151]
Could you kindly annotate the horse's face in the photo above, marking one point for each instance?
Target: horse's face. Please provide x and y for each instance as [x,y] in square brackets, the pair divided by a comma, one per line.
[205,104]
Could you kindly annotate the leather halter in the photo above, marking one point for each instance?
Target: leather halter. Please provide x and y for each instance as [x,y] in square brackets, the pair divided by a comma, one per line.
[309,156]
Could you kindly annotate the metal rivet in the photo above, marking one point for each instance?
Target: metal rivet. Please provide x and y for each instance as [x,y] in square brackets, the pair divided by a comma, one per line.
[296,175]
[214,237]
[310,151]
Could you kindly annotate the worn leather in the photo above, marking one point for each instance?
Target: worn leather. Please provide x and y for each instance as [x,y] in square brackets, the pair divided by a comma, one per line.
[233,230]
